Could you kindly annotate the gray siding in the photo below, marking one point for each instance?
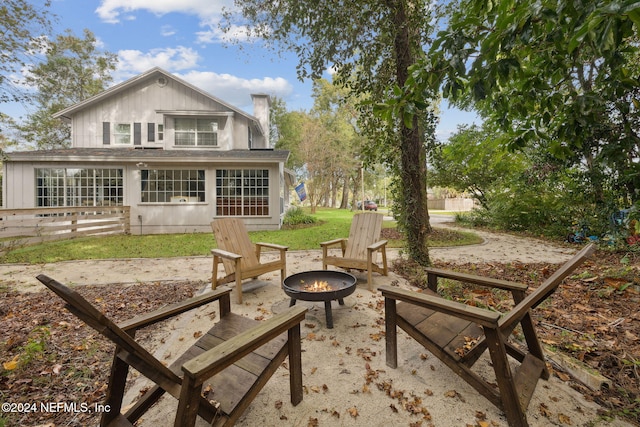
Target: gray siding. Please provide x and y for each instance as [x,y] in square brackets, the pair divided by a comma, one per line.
[133,106]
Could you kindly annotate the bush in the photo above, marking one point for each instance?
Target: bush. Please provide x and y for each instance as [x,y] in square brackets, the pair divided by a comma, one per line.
[296,216]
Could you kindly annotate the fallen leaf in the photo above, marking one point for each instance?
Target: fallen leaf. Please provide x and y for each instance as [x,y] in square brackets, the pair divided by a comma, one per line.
[544,410]
[11,365]
[564,419]
[353,411]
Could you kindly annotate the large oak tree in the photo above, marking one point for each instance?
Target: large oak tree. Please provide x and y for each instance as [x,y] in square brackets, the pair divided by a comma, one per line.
[372,44]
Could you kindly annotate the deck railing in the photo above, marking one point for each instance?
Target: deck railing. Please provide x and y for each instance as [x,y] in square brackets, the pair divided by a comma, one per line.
[22,227]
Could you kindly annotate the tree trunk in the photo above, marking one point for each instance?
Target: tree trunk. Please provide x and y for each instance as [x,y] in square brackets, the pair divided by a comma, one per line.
[412,151]
[345,192]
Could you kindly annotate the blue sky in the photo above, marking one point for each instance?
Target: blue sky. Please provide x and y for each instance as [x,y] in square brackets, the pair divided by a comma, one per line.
[182,37]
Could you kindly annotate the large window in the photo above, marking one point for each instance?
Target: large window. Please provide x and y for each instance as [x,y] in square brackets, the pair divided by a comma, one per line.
[79,187]
[196,132]
[172,186]
[242,192]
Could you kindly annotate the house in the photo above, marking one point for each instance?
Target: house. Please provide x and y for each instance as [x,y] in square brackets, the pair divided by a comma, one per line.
[178,156]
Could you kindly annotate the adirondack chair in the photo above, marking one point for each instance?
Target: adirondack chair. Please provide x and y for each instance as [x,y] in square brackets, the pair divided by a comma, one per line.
[240,257]
[236,358]
[445,327]
[360,249]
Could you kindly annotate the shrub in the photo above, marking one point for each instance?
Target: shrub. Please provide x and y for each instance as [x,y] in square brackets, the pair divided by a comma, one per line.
[296,216]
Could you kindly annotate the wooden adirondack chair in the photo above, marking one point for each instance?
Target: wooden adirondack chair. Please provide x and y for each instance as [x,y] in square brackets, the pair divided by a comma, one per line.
[216,359]
[444,327]
[240,257]
[360,249]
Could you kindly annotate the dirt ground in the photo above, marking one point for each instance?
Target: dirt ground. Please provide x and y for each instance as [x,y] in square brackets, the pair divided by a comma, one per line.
[346,380]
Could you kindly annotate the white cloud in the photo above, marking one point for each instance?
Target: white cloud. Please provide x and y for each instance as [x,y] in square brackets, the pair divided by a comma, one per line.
[167,31]
[133,62]
[236,33]
[112,11]
[237,90]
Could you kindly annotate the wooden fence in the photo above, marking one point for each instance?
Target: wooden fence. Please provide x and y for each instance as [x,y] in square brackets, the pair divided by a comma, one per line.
[22,227]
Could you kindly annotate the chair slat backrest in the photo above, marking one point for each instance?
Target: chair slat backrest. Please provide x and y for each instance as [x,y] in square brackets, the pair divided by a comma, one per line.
[232,236]
[365,231]
[547,288]
[86,312]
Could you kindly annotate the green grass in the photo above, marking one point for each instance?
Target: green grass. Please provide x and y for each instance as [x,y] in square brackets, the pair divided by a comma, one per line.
[332,223]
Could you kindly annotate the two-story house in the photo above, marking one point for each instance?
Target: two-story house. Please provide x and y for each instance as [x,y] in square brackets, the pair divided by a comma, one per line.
[178,156]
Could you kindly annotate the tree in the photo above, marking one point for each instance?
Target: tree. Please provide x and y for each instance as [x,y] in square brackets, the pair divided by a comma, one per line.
[336,111]
[555,74]
[475,161]
[286,132]
[74,70]
[23,26]
[371,44]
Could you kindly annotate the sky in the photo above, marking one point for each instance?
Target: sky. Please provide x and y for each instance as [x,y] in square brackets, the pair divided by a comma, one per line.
[182,37]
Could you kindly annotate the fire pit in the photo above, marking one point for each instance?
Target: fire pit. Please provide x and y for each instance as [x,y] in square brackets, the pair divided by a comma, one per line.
[320,285]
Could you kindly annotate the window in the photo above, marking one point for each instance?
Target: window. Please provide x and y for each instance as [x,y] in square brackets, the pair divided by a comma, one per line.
[79,187]
[196,132]
[122,133]
[172,186]
[242,192]
[160,132]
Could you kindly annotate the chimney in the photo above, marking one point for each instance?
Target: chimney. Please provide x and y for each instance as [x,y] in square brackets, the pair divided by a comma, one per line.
[261,106]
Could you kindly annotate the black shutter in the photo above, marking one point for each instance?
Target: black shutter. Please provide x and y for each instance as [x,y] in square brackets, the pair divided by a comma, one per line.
[137,134]
[106,137]
[151,132]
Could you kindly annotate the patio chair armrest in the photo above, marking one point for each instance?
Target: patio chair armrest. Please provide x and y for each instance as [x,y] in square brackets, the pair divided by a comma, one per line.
[172,310]
[476,280]
[381,244]
[225,354]
[481,316]
[225,254]
[272,246]
[333,242]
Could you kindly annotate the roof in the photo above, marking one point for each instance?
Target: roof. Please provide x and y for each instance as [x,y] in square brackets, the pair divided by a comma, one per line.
[128,155]
[156,71]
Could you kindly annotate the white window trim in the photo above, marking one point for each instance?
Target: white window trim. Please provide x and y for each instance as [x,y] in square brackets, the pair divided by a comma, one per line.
[215,131]
[115,134]
[182,196]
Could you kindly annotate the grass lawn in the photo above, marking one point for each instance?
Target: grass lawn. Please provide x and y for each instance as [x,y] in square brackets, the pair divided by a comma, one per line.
[332,223]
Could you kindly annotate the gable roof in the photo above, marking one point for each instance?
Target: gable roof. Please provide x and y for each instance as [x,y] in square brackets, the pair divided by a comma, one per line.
[156,71]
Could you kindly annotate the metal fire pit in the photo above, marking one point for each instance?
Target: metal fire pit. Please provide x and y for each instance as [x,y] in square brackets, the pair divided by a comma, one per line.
[341,285]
